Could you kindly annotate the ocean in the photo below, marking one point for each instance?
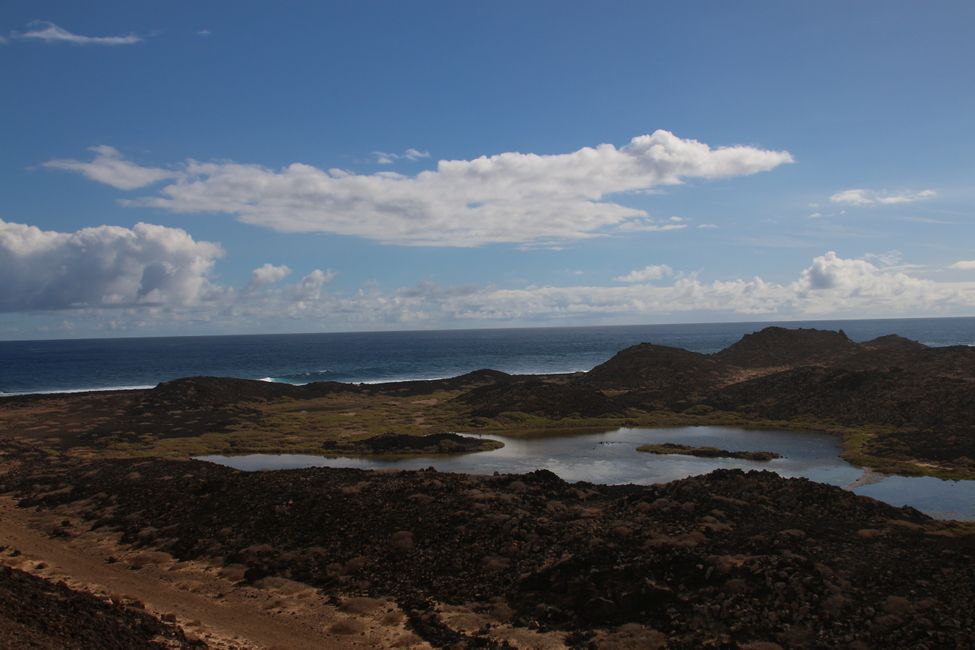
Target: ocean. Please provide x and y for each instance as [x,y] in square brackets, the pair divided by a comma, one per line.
[99,364]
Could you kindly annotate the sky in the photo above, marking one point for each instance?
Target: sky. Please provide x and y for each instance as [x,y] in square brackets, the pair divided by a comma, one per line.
[183,168]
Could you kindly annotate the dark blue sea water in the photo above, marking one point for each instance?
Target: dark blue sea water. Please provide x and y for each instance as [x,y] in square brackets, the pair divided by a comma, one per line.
[72,365]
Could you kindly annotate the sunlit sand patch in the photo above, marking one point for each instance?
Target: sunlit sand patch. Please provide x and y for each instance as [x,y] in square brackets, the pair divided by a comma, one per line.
[463,619]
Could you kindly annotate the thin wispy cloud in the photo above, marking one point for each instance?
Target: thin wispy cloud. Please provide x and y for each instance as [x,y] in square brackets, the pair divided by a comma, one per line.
[48,32]
[204,32]
[650,224]
[386,158]
[886,258]
[964,265]
[512,198]
[110,168]
[646,274]
[859,196]
[928,220]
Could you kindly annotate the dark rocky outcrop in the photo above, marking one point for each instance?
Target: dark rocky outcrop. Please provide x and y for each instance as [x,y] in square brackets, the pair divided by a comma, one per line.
[656,369]
[706,452]
[718,560]
[552,399]
[778,346]
[36,613]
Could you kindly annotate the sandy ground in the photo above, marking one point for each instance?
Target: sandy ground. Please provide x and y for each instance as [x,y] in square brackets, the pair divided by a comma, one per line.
[205,600]
[211,604]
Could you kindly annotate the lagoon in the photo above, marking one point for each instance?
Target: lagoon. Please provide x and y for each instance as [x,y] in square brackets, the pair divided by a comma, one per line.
[611,458]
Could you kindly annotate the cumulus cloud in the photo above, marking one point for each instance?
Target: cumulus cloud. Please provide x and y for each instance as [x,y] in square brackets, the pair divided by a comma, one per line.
[834,285]
[268,274]
[871,197]
[47,32]
[828,286]
[964,265]
[386,158]
[110,168]
[506,198]
[310,287]
[646,274]
[106,266]
[150,276]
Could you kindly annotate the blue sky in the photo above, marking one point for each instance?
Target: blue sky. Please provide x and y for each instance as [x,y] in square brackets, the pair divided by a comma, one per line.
[765,161]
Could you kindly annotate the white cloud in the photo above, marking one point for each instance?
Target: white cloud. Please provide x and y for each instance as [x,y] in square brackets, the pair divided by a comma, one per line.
[415,154]
[110,168]
[649,224]
[386,158]
[828,286]
[268,274]
[107,266]
[204,32]
[928,220]
[871,197]
[834,285]
[646,274]
[707,226]
[886,258]
[506,198]
[150,277]
[964,265]
[310,287]
[48,32]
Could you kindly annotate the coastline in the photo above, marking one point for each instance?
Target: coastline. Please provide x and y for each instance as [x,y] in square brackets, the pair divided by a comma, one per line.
[477,560]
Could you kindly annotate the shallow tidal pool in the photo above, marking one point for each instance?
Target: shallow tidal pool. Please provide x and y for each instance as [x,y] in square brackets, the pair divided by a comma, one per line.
[612,458]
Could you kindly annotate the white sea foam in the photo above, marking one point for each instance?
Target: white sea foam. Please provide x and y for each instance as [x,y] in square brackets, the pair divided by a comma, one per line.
[401,379]
[59,391]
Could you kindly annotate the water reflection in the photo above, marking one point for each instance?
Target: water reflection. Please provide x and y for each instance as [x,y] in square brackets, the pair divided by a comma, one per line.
[610,457]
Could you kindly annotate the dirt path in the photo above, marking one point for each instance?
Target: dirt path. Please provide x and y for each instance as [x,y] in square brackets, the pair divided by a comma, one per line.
[205,600]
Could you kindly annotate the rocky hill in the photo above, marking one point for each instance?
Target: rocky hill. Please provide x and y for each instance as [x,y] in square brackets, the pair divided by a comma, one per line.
[778,346]
[658,375]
